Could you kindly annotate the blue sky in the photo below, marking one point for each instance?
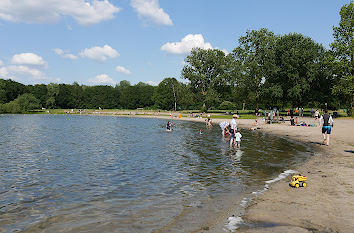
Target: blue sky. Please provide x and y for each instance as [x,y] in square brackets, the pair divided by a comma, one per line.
[106,41]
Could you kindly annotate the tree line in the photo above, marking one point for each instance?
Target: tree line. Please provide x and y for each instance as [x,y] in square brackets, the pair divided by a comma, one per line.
[264,71]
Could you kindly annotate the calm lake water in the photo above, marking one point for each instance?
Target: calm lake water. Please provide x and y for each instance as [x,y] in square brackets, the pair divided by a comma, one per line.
[62,173]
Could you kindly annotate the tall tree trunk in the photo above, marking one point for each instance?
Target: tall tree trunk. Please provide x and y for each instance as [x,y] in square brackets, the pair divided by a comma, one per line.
[174,95]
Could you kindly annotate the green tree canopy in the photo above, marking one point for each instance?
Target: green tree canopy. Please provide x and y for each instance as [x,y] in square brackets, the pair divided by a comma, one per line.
[206,71]
[255,59]
[298,60]
[343,57]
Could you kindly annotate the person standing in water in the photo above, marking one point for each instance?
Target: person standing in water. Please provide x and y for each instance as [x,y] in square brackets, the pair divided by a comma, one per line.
[233,129]
[208,123]
[327,123]
[238,137]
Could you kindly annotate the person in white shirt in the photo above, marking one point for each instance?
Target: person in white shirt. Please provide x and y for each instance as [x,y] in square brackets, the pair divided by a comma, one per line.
[233,126]
[238,137]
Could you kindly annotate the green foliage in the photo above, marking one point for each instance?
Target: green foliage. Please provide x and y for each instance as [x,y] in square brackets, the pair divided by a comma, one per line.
[28,102]
[255,60]
[343,57]
[207,71]
[10,90]
[52,93]
[166,94]
[227,105]
[298,62]
[24,103]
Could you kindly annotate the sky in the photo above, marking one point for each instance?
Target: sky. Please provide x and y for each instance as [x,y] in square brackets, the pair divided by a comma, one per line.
[102,42]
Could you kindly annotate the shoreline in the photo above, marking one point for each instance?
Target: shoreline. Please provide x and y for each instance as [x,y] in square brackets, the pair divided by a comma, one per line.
[325,205]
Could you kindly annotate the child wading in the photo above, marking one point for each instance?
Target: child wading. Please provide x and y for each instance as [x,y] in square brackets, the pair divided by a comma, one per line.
[238,137]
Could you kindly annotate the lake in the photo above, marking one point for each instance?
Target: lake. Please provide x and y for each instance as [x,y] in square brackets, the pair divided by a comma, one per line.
[72,173]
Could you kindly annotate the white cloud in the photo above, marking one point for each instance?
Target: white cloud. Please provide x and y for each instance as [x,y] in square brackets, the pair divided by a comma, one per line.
[99,53]
[27,59]
[123,70]
[1,63]
[3,72]
[189,42]
[61,53]
[225,51]
[22,73]
[102,79]
[25,70]
[151,11]
[50,11]
[153,83]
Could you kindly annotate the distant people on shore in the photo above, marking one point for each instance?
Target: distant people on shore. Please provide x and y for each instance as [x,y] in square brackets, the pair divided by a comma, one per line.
[301,112]
[292,121]
[255,125]
[326,121]
[317,114]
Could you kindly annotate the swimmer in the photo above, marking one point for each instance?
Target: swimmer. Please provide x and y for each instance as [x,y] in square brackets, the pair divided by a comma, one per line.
[168,125]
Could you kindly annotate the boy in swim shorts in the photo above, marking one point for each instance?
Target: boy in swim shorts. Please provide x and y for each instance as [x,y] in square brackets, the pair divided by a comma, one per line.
[327,123]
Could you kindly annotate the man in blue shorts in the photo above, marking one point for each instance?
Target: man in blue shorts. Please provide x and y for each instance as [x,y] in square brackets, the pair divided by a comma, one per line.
[327,123]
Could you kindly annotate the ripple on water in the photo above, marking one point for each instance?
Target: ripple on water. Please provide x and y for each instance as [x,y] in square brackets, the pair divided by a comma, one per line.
[78,173]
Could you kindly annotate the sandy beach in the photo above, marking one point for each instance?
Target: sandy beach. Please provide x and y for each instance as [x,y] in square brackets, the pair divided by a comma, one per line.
[326,204]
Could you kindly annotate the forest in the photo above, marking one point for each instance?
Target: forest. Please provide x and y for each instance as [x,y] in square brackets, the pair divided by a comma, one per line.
[264,71]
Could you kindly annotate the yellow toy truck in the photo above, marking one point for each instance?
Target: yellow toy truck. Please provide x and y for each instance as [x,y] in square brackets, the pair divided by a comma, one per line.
[298,181]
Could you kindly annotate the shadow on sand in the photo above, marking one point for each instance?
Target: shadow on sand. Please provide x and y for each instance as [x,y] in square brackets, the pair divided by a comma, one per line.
[349,151]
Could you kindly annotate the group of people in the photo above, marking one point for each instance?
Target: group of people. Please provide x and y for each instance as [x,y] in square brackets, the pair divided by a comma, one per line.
[230,129]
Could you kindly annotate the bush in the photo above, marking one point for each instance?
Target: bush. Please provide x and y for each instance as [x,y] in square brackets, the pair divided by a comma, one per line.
[23,103]
[227,105]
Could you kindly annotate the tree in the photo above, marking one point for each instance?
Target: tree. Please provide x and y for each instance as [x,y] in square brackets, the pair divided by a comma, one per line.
[22,104]
[39,91]
[343,57]
[255,59]
[206,70]
[128,98]
[144,93]
[299,63]
[52,93]
[28,102]
[166,94]
[10,90]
